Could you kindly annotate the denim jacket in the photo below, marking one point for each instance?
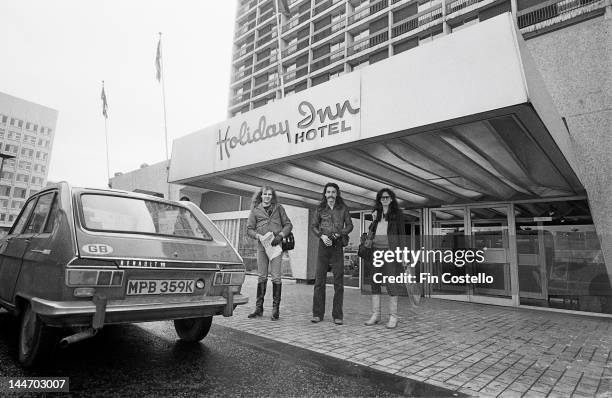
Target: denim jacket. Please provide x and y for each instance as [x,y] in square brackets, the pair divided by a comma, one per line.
[261,223]
[327,221]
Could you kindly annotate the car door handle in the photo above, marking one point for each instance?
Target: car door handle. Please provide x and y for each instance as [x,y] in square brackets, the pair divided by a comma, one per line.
[45,251]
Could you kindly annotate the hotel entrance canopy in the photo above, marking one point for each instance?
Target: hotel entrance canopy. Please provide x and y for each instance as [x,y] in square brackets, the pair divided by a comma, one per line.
[463,119]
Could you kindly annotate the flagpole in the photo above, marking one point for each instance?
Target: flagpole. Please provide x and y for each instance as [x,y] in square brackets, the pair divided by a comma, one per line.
[279,56]
[161,72]
[106,137]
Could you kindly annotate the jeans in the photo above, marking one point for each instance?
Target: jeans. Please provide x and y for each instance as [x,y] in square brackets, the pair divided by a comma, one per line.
[264,264]
[328,256]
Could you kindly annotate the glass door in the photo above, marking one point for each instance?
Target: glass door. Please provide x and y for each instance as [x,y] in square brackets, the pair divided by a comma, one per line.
[489,233]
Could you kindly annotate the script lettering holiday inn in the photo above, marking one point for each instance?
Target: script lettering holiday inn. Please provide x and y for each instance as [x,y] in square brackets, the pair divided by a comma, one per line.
[315,123]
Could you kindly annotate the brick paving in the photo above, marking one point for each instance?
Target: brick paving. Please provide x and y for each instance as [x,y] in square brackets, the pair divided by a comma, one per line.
[480,350]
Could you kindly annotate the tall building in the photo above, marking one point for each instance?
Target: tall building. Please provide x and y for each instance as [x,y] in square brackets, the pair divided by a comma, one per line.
[322,39]
[26,140]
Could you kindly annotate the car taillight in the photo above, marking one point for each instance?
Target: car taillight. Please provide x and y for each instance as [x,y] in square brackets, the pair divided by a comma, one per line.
[93,277]
[228,278]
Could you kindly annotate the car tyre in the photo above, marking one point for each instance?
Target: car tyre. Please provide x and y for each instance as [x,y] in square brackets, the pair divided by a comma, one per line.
[193,330]
[35,338]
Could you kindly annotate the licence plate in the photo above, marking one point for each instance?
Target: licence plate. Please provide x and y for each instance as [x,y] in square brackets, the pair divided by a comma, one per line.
[160,286]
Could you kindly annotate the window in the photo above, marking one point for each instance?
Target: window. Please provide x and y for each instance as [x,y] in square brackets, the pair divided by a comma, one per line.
[20,124]
[39,215]
[10,163]
[3,203]
[4,118]
[131,215]
[5,190]
[2,131]
[19,193]
[23,165]
[29,139]
[7,175]
[16,204]
[22,219]
[12,121]
[35,127]
[27,152]
[2,216]
[22,177]
[28,125]
[11,217]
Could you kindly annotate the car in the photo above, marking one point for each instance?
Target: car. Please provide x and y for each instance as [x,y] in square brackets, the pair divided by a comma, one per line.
[78,258]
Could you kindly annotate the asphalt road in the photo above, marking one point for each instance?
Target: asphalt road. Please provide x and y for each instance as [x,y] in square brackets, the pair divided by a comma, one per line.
[149,360]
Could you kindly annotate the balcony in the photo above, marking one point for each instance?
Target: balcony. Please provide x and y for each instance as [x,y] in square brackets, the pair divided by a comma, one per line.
[296,20]
[242,74]
[368,42]
[264,87]
[295,73]
[296,47]
[416,21]
[265,62]
[327,59]
[328,30]
[367,10]
[454,6]
[241,52]
[240,98]
[266,38]
[554,11]
[265,16]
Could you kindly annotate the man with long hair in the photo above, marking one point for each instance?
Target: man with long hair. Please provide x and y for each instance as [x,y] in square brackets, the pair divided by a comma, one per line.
[267,216]
[332,224]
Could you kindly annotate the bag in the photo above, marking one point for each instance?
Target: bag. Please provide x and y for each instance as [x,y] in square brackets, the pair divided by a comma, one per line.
[288,242]
[366,247]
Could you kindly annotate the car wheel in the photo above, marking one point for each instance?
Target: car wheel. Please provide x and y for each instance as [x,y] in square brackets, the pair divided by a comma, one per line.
[193,329]
[34,338]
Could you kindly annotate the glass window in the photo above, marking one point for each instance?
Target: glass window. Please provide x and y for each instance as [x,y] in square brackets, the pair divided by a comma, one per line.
[52,217]
[19,193]
[22,219]
[40,214]
[133,215]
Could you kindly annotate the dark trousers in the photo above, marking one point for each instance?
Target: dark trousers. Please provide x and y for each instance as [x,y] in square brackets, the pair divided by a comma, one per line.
[326,257]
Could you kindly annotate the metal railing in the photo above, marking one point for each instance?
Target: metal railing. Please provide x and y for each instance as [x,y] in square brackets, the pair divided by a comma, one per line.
[415,21]
[296,47]
[265,62]
[238,98]
[262,88]
[239,75]
[296,20]
[328,30]
[327,59]
[552,9]
[370,41]
[265,16]
[367,10]
[266,37]
[454,6]
[244,51]
[296,73]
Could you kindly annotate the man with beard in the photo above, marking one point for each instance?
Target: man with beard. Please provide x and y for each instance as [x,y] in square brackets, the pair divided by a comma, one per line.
[332,224]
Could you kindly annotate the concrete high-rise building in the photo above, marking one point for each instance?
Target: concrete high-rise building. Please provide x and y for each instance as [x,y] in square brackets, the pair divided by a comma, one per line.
[26,137]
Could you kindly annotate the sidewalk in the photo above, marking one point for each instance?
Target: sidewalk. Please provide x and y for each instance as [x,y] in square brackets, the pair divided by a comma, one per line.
[480,350]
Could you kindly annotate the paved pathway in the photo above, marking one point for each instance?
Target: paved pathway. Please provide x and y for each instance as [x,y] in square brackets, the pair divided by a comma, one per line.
[480,350]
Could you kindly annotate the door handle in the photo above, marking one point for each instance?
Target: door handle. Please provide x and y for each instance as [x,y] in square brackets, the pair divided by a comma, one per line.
[45,251]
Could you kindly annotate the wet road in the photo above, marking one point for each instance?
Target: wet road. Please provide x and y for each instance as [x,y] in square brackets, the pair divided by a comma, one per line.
[149,360]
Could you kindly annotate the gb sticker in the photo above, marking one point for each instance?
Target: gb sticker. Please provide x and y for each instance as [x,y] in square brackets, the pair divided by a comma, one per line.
[97,248]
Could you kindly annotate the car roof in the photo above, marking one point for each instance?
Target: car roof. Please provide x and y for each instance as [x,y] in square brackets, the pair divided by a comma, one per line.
[76,190]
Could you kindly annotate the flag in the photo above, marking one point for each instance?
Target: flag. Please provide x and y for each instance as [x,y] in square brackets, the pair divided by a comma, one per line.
[158,61]
[104,104]
[283,7]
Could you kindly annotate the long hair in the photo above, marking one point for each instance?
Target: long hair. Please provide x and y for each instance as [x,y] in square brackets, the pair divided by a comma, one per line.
[339,200]
[257,196]
[393,211]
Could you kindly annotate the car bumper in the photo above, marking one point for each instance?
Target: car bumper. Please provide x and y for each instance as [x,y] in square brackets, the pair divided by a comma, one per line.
[100,312]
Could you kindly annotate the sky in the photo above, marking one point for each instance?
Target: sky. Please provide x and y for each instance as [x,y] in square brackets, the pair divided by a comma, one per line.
[57,53]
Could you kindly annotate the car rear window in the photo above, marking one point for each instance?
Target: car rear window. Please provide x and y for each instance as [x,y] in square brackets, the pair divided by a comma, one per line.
[133,215]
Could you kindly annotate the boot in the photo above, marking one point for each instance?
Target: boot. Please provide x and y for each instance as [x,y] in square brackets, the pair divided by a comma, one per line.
[375,318]
[276,297]
[261,292]
[393,319]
